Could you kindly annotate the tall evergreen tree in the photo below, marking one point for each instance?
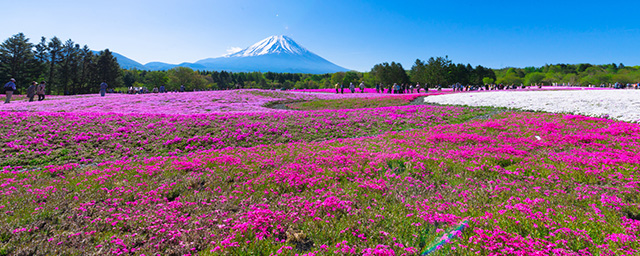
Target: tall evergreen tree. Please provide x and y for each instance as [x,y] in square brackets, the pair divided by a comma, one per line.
[41,55]
[398,74]
[378,73]
[87,66]
[437,70]
[69,67]
[55,56]
[108,69]
[17,60]
[418,72]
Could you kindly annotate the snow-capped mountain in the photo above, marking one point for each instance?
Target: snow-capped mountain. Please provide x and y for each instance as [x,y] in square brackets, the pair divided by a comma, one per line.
[272,45]
[279,54]
[276,54]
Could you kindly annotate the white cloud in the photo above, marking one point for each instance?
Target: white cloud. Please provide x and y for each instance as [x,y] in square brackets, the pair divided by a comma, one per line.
[232,50]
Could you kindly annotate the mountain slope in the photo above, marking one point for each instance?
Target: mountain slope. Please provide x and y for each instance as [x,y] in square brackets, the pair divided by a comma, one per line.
[272,45]
[279,54]
[125,62]
[276,54]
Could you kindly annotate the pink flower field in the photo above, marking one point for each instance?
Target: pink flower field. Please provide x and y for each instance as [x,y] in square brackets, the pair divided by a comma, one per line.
[218,173]
[168,103]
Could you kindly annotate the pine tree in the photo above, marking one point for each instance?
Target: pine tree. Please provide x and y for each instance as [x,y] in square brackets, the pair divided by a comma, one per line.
[55,49]
[69,67]
[17,60]
[108,69]
[87,57]
[437,70]
[41,55]
[418,74]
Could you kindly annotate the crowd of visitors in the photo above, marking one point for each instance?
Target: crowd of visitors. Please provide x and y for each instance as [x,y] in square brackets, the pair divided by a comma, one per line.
[33,90]
[396,88]
[161,89]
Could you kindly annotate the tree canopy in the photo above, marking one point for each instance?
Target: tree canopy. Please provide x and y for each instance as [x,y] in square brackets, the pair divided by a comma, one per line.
[66,67]
[71,69]
[583,74]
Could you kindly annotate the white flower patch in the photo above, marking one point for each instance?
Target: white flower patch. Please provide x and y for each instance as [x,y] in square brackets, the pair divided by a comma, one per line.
[617,104]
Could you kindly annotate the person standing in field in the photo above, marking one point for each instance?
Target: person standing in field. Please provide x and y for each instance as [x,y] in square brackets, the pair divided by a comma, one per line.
[361,87]
[337,86]
[103,88]
[31,90]
[40,91]
[9,88]
[352,88]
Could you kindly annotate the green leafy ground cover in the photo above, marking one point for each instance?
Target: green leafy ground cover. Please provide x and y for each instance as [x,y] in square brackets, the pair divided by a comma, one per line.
[354,103]
[526,183]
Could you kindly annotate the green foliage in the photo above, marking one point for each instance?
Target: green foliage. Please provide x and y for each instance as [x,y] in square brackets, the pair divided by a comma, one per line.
[534,78]
[437,70]
[510,79]
[623,78]
[55,57]
[17,61]
[418,72]
[66,67]
[71,69]
[442,71]
[108,70]
[350,77]
[397,166]
[583,74]
[570,79]
[350,103]
[363,193]
[223,80]
[487,80]
[368,78]
[185,76]
[389,73]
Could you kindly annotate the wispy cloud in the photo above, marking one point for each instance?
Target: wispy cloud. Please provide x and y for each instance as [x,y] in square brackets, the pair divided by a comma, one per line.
[232,50]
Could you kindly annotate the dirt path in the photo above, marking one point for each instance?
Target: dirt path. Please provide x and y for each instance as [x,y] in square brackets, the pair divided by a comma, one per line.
[282,106]
[418,101]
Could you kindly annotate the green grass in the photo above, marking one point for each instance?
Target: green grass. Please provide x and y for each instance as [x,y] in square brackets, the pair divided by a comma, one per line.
[350,103]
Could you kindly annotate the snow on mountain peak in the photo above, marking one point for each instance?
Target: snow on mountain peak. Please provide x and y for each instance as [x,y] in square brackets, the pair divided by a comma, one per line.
[272,45]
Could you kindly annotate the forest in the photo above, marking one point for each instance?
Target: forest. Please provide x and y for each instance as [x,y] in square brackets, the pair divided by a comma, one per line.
[433,72]
[65,66]
[570,74]
[70,69]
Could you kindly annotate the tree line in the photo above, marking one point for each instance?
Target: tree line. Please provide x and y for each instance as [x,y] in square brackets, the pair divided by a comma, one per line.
[220,80]
[71,69]
[65,66]
[571,74]
[435,71]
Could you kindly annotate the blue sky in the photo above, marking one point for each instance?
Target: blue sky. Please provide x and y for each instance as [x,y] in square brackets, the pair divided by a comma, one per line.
[352,34]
